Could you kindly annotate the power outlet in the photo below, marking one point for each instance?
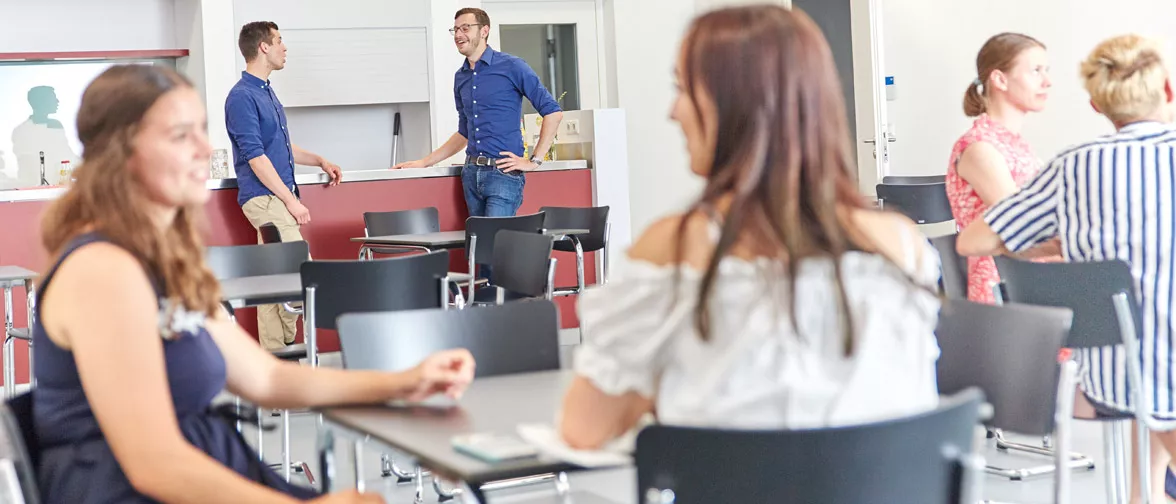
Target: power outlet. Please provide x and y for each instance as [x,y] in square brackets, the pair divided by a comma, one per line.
[572,127]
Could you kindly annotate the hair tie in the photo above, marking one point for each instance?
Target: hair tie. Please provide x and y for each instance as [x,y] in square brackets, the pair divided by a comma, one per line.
[977,82]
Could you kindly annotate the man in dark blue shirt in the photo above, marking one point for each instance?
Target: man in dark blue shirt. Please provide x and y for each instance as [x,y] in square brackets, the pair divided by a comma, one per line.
[489,90]
[264,158]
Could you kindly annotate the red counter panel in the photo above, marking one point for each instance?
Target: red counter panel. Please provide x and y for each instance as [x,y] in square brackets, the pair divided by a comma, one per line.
[336,217]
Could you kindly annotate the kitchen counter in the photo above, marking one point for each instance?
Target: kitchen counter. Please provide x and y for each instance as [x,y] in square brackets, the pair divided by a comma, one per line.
[307,179]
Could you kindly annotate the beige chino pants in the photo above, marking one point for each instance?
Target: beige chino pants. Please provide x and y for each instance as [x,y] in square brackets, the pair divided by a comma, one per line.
[276,327]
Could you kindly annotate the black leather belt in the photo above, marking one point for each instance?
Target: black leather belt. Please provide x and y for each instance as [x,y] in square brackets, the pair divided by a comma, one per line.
[481,161]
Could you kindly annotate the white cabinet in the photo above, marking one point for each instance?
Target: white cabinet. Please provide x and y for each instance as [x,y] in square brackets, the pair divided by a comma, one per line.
[354,67]
[347,52]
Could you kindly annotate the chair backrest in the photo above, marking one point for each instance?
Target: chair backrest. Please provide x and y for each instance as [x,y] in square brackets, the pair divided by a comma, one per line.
[594,219]
[18,445]
[238,261]
[486,228]
[504,339]
[402,283]
[418,221]
[914,179]
[923,203]
[522,262]
[1010,352]
[269,233]
[915,459]
[954,267]
[1085,288]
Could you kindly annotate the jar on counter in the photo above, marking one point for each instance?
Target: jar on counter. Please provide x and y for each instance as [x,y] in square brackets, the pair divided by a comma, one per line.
[65,174]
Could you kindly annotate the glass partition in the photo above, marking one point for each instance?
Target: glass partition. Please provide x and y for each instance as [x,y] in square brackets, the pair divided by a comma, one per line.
[39,103]
[550,50]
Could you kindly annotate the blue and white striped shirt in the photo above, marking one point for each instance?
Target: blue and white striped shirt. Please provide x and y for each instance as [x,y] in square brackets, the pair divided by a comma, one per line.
[1108,199]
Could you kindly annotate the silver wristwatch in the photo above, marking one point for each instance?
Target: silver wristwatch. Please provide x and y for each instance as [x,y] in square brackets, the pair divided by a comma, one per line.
[537,160]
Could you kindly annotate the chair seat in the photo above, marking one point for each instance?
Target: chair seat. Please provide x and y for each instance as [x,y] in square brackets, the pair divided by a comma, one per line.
[19,333]
[290,352]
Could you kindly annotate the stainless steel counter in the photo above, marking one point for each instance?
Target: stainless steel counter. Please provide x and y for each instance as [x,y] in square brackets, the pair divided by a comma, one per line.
[48,193]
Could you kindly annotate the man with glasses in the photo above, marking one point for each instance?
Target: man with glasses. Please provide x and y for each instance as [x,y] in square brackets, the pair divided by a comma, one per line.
[489,90]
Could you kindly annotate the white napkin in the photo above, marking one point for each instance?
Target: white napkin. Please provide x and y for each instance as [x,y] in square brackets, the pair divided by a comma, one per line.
[546,439]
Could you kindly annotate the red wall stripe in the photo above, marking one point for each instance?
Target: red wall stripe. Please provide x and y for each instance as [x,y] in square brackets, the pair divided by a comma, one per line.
[336,217]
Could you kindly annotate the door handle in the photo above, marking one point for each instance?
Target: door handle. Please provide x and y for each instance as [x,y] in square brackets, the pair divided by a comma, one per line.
[873,141]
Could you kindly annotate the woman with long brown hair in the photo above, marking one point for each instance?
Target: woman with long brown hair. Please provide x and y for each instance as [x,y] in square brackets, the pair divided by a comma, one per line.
[778,299]
[132,345]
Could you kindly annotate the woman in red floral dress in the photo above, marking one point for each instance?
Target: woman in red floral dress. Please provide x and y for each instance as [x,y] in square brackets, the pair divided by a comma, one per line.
[991,161]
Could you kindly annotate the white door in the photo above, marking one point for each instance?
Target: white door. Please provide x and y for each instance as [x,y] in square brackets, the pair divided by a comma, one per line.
[581,13]
[874,136]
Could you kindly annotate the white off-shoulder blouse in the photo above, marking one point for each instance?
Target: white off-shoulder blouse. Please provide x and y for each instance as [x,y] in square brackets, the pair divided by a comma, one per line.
[757,371]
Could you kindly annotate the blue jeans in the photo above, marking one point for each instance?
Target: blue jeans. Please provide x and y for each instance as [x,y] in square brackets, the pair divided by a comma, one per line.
[491,193]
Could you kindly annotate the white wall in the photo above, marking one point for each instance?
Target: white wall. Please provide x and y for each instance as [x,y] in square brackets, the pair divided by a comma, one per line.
[356,137]
[86,25]
[660,181]
[647,35]
[931,49]
[360,137]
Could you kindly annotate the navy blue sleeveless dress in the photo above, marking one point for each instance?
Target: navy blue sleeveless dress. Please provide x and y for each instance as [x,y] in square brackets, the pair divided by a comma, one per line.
[76,464]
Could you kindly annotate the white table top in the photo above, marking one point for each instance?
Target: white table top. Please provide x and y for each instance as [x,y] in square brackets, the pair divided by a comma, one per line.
[494,405]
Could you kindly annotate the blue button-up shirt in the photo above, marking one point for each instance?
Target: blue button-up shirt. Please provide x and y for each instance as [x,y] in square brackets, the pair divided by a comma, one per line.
[490,102]
[257,126]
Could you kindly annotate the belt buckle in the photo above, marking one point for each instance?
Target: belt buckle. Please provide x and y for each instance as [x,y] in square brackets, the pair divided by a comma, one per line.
[482,161]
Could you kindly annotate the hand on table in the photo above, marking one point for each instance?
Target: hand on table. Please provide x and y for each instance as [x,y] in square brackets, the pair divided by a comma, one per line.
[446,372]
[511,163]
[420,163]
[349,497]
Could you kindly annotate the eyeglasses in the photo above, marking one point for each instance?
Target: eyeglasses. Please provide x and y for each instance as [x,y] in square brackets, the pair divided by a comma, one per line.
[465,28]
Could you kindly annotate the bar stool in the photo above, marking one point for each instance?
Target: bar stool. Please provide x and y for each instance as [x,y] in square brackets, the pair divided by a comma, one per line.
[922,458]
[922,203]
[523,268]
[418,221]
[504,339]
[262,260]
[1106,314]
[332,288]
[1009,352]
[595,220]
[10,278]
[480,233]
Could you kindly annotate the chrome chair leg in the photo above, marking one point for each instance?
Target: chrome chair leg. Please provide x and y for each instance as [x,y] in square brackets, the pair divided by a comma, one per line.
[9,347]
[237,406]
[30,310]
[1111,448]
[444,495]
[286,444]
[389,468]
[260,436]
[419,481]
[1077,460]
[357,456]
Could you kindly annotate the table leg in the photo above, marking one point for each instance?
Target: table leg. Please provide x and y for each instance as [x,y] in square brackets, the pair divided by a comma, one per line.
[30,306]
[579,265]
[9,359]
